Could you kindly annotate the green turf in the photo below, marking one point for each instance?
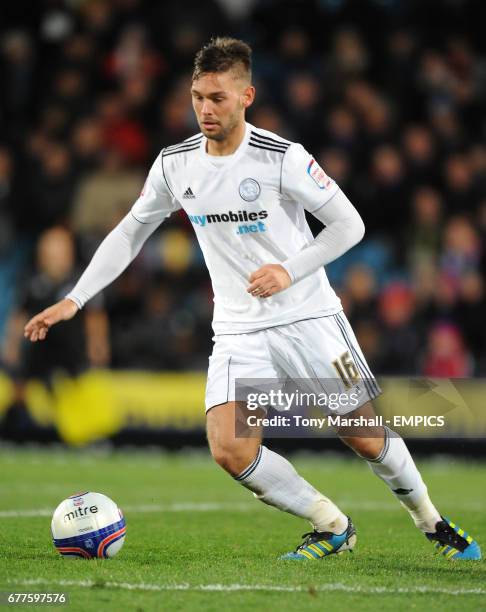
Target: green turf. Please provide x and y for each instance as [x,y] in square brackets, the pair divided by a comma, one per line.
[237,543]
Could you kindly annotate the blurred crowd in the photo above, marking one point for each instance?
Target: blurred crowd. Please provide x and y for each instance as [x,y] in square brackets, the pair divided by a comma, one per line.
[389,95]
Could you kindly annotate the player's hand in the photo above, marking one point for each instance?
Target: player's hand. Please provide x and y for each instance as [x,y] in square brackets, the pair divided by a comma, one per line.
[38,326]
[268,280]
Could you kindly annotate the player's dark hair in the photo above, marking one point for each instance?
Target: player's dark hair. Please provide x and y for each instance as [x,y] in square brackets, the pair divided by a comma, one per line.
[222,54]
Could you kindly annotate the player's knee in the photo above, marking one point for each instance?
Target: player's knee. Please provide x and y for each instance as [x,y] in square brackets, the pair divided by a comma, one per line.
[231,459]
[224,459]
[367,448]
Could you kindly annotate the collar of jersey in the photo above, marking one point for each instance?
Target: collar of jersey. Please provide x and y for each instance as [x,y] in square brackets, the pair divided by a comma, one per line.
[233,159]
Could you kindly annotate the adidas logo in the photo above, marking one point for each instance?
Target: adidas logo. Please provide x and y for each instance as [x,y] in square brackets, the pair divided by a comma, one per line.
[188,195]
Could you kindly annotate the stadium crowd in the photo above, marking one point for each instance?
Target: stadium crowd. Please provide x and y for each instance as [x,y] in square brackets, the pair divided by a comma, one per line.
[389,97]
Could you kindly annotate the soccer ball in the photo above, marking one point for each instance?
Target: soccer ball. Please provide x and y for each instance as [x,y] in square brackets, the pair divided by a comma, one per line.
[88,525]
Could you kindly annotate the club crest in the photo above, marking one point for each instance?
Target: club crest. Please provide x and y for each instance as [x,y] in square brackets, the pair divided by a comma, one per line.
[249,190]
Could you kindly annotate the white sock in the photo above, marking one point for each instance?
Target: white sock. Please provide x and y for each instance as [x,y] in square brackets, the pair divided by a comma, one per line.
[275,482]
[396,467]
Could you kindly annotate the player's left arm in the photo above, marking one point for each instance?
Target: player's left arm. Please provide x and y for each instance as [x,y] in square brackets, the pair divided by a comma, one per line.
[304,181]
[343,229]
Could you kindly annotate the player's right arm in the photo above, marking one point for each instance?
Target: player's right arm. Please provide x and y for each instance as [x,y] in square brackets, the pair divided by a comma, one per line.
[114,254]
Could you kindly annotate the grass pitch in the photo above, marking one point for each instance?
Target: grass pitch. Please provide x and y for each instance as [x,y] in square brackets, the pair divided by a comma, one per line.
[196,540]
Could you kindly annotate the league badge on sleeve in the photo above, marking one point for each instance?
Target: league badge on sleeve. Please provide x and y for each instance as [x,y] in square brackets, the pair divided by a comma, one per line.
[318,175]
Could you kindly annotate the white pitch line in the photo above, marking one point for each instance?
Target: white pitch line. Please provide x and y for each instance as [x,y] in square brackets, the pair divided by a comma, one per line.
[26,513]
[225,506]
[325,587]
[147,508]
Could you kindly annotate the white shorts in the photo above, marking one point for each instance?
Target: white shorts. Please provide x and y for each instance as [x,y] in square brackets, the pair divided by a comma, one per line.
[324,348]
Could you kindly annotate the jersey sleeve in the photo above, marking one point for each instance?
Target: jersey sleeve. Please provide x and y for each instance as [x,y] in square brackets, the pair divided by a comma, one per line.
[304,181]
[156,202]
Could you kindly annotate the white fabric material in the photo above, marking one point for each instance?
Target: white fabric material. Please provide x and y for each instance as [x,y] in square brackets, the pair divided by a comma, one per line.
[218,161]
[113,255]
[246,213]
[123,243]
[424,514]
[344,228]
[275,482]
[301,350]
[398,470]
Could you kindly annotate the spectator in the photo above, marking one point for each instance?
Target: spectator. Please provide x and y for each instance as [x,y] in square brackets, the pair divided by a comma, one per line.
[105,196]
[360,294]
[86,144]
[401,336]
[341,130]
[446,356]
[386,196]
[120,132]
[459,184]
[18,79]
[420,154]
[51,187]
[6,201]
[423,235]
[461,249]
[303,96]
[72,346]
[469,315]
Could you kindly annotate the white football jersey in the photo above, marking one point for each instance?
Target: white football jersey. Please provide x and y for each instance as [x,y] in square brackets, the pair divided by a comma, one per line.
[247,211]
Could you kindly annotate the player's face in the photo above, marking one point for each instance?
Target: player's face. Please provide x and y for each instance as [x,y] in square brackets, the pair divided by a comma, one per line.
[219,101]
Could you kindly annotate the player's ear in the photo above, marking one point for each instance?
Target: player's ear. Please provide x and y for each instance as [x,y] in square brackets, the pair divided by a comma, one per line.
[248,96]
